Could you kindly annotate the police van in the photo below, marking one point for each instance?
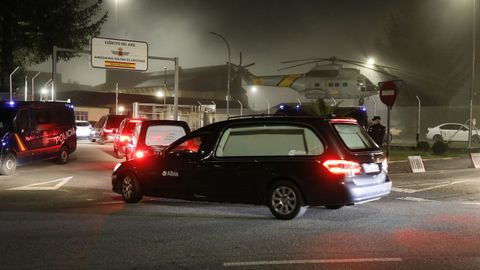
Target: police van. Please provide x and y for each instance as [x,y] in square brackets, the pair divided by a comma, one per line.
[31,131]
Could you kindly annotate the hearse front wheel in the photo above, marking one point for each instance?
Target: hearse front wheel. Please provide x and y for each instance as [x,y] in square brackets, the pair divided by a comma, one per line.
[285,201]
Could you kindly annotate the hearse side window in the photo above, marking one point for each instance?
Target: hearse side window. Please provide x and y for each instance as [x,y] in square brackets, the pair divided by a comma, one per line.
[191,145]
[353,137]
[269,140]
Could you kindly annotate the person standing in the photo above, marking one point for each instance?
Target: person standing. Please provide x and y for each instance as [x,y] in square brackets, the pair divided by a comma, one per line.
[377,131]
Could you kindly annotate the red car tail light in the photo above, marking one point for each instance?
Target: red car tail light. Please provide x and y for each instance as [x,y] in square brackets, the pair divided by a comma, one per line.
[139,154]
[125,138]
[342,167]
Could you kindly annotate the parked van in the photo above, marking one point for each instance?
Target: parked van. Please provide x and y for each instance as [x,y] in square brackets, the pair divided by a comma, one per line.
[31,131]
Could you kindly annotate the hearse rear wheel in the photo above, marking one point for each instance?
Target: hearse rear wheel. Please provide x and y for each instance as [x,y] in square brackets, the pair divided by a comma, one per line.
[285,201]
[131,191]
[9,164]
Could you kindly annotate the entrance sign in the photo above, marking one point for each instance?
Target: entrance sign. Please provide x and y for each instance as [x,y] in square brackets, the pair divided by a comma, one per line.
[119,54]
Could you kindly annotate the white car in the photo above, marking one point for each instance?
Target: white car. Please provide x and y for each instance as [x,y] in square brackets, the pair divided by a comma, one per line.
[452,132]
[83,129]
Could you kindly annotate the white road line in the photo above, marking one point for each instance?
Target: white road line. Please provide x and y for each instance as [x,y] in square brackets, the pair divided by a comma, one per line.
[320,261]
[414,199]
[471,203]
[40,186]
[407,190]
[403,190]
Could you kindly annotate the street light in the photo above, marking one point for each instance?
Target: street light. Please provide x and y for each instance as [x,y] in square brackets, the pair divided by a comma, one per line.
[43,92]
[161,94]
[253,90]
[371,62]
[228,68]
[121,109]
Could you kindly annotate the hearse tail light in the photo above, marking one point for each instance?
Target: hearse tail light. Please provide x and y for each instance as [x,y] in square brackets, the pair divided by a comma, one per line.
[139,154]
[342,167]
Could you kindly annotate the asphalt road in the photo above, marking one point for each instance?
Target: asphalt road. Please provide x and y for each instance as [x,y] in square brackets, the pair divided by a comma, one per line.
[66,217]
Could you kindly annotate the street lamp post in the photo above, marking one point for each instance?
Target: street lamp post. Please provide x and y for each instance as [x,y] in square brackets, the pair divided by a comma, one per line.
[33,85]
[165,85]
[470,122]
[241,107]
[418,120]
[268,106]
[116,98]
[228,75]
[11,83]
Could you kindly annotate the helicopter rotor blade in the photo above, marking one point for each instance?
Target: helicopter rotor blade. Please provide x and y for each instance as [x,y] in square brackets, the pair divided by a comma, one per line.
[304,60]
[249,65]
[298,65]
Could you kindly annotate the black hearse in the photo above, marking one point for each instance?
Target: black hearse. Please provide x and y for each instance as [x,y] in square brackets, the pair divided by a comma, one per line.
[286,163]
[31,131]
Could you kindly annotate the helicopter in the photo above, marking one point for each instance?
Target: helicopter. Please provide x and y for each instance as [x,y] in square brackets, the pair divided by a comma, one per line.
[325,81]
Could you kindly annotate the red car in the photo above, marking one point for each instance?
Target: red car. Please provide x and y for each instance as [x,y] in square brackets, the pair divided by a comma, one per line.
[152,136]
[124,136]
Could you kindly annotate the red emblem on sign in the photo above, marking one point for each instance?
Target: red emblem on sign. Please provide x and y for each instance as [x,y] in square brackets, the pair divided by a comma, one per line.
[120,52]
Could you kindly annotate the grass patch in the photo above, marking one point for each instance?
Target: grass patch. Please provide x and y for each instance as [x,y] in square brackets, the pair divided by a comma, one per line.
[401,152]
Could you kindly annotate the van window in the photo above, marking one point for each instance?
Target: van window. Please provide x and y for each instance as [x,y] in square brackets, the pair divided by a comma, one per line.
[43,116]
[22,121]
[353,136]
[269,140]
[163,135]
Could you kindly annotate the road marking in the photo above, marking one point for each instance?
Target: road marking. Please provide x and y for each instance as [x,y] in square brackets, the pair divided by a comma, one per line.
[320,261]
[471,203]
[39,186]
[414,199]
[406,190]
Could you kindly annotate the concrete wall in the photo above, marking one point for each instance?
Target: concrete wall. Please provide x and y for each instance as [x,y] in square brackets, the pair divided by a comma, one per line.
[94,113]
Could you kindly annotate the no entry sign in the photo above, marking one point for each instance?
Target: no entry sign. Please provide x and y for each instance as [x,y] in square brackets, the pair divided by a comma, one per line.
[389,91]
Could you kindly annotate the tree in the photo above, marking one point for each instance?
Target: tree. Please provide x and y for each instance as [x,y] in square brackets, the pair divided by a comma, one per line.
[30,28]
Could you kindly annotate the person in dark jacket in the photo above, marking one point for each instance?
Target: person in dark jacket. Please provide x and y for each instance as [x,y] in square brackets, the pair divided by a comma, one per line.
[377,130]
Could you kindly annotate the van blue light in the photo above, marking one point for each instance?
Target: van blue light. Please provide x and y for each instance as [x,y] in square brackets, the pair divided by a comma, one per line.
[11,103]
[282,107]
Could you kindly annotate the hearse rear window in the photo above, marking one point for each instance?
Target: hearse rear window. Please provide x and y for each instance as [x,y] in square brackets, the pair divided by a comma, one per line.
[353,137]
[269,140]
